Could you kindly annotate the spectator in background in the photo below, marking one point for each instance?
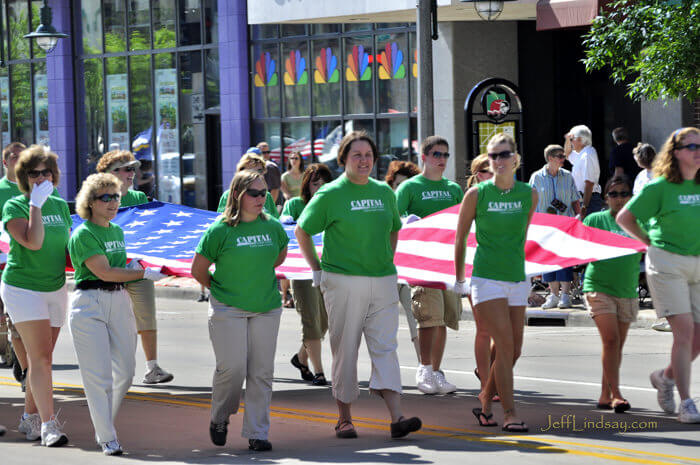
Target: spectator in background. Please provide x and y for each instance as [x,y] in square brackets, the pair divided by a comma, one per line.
[586,168]
[621,158]
[644,155]
[273,177]
[291,179]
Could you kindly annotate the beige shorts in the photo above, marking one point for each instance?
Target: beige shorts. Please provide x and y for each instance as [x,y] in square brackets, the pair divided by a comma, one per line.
[143,301]
[309,304]
[599,303]
[436,307]
[674,281]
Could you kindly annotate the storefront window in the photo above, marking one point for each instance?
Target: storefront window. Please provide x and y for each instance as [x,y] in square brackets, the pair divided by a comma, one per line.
[94,113]
[91,23]
[265,31]
[211,20]
[41,104]
[19,26]
[37,52]
[117,104]
[327,136]
[413,79]
[357,27]
[212,67]
[163,23]
[270,133]
[21,84]
[289,30]
[139,30]
[5,106]
[167,140]
[359,68]
[327,67]
[325,28]
[296,78]
[392,67]
[141,119]
[114,25]
[393,143]
[266,78]
[190,22]
[296,138]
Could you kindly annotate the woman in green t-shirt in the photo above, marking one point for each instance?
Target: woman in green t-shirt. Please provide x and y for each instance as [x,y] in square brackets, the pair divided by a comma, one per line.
[101,319]
[246,245]
[670,207]
[360,221]
[34,282]
[610,292]
[502,209]
[307,298]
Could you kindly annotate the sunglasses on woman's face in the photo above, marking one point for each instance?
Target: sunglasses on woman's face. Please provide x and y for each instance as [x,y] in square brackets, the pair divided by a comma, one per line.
[36,173]
[622,194]
[106,198]
[691,147]
[560,156]
[485,171]
[502,155]
[126,169]
[256,193]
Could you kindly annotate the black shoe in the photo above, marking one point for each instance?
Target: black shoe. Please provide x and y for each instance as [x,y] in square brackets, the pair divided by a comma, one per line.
[306,374]
[259,445]
[404,426]
[203,298]
[217,432]
[319,380]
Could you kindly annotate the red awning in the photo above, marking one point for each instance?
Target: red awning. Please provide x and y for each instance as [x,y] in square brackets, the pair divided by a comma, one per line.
[558,14]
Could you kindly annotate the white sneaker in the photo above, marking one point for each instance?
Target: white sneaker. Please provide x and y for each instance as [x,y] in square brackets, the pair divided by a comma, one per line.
[564,301]
[425,381]
[157,375]
[688,413]
[51,434]
[661,324]
[112,448]
[551,302]
[443,386]
[664,390]
[30,426]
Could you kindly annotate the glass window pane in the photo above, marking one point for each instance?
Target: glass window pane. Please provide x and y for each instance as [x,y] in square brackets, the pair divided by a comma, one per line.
[296,78]
[37,52]
[141,119]
[212,71]
[190,22]
[366,125]
[270,133]
[392,73]
[163,24]
[117,104]
[265,85]
[41,104]
[415,147]
[325,28]
[393,143]
[139,25]
[19,26]
[357,27]
[20,81]
[167,140]
[115,25]
[94,114]
[296,137]
[359,66]
[264,31]
[413,79]
[5,106]
[388,25]
[293,30]
[211,20]
[327,136]
[327,67]
[91,23]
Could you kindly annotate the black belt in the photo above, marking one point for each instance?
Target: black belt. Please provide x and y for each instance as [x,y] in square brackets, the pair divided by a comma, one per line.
[99,284]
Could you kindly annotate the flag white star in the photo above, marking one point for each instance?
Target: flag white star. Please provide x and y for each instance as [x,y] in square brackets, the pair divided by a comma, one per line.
[199,231]
[206,225]
[178,242]
[151,238]
[187,214]
[137,244]
[163,231]
[146,212]
[172,223]
[133,224]
[189,237]
[129,232]
[165,247]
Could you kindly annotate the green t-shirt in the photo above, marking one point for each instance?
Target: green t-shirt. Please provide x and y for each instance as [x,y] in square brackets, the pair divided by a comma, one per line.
[358,221]
[132,198]
[674,211]
[244,256]
[293,207]
[269,206]
[89,240]
[618,277]
[42,270]
[9,189]
[422,197]
[501,228]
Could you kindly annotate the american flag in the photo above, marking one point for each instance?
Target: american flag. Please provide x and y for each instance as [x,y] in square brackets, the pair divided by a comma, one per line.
[302,145]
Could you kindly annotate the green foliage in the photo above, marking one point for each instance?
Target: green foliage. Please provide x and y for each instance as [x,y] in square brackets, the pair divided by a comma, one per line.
[652,43]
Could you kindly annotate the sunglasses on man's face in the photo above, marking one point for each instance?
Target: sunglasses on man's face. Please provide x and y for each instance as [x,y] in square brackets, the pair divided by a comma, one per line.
[256,193]
[560,156]
[439,155]
[691,147]
[126,169]
[622,194]
[502,155]
[106,198]
[265,152]
[36,173]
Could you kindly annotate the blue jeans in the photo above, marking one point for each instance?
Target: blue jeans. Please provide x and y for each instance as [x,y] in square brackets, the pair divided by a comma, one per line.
[563,275]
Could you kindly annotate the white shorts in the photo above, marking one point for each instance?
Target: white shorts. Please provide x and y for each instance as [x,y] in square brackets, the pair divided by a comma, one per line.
[27,305]
[484,289]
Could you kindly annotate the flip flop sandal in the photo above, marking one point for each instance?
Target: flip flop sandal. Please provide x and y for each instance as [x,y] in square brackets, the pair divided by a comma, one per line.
[306,374]
[476,373]
[482,418]
[348,433]
[622,407]
[604,406]
[516,427]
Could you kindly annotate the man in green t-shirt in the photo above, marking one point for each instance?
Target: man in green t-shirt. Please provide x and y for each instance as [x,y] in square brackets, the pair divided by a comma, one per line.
[434,309]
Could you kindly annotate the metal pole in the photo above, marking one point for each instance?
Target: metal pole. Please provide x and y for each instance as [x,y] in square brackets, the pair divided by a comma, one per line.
[426,125]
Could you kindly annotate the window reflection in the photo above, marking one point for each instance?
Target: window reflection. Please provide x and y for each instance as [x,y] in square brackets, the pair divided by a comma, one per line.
[141,120]
[139,25]
[19,26]
[296,138]
[91,23]
[326,137]
[392,73]
[163,23]
[190,19]
[114,25]
[270,133]
[359,68]
[327,66]
[266,78]
[94,114]
[296,78]
[22,127]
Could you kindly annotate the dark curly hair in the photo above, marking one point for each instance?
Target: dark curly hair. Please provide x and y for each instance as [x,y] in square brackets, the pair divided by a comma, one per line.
[398,167]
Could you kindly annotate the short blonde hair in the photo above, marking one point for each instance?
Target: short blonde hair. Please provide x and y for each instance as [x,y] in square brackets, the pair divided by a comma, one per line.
[29,159]
[478,163]
[93,184]
[500,138]
[115,156]
[249,161]
[666,164]
[239,185]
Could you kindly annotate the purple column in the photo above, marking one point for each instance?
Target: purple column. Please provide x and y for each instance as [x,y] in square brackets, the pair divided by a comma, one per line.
[234,84]
[59,69]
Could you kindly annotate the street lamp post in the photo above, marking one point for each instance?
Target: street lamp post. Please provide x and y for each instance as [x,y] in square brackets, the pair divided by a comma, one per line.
[46,35]
[488,10]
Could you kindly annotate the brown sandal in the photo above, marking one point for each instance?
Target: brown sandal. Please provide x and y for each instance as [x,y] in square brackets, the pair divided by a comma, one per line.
[348,433]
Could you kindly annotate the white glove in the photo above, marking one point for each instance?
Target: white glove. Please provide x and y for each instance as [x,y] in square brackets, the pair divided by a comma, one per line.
[316,280]
[287,219]
[40,192]
[461,288]
[153,274]
[134,264]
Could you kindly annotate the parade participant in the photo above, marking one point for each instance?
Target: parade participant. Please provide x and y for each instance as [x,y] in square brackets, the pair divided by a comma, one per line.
[502,208]
[557,195]
[244,307]
[308,299]
[644,155]
[434,309]
[273,178]
[101,320]
[122,164]
[251,161]
[586,168]
[291,179]
[672,202]
[610,292]
[360,221]
[397,173]
[33,283]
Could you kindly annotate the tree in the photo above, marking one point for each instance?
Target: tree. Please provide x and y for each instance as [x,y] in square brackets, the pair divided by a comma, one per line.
[652,43]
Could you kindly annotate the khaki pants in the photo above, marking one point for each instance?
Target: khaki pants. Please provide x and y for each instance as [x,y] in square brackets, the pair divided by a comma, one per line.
[143,301]
[360,305]
[244,346]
